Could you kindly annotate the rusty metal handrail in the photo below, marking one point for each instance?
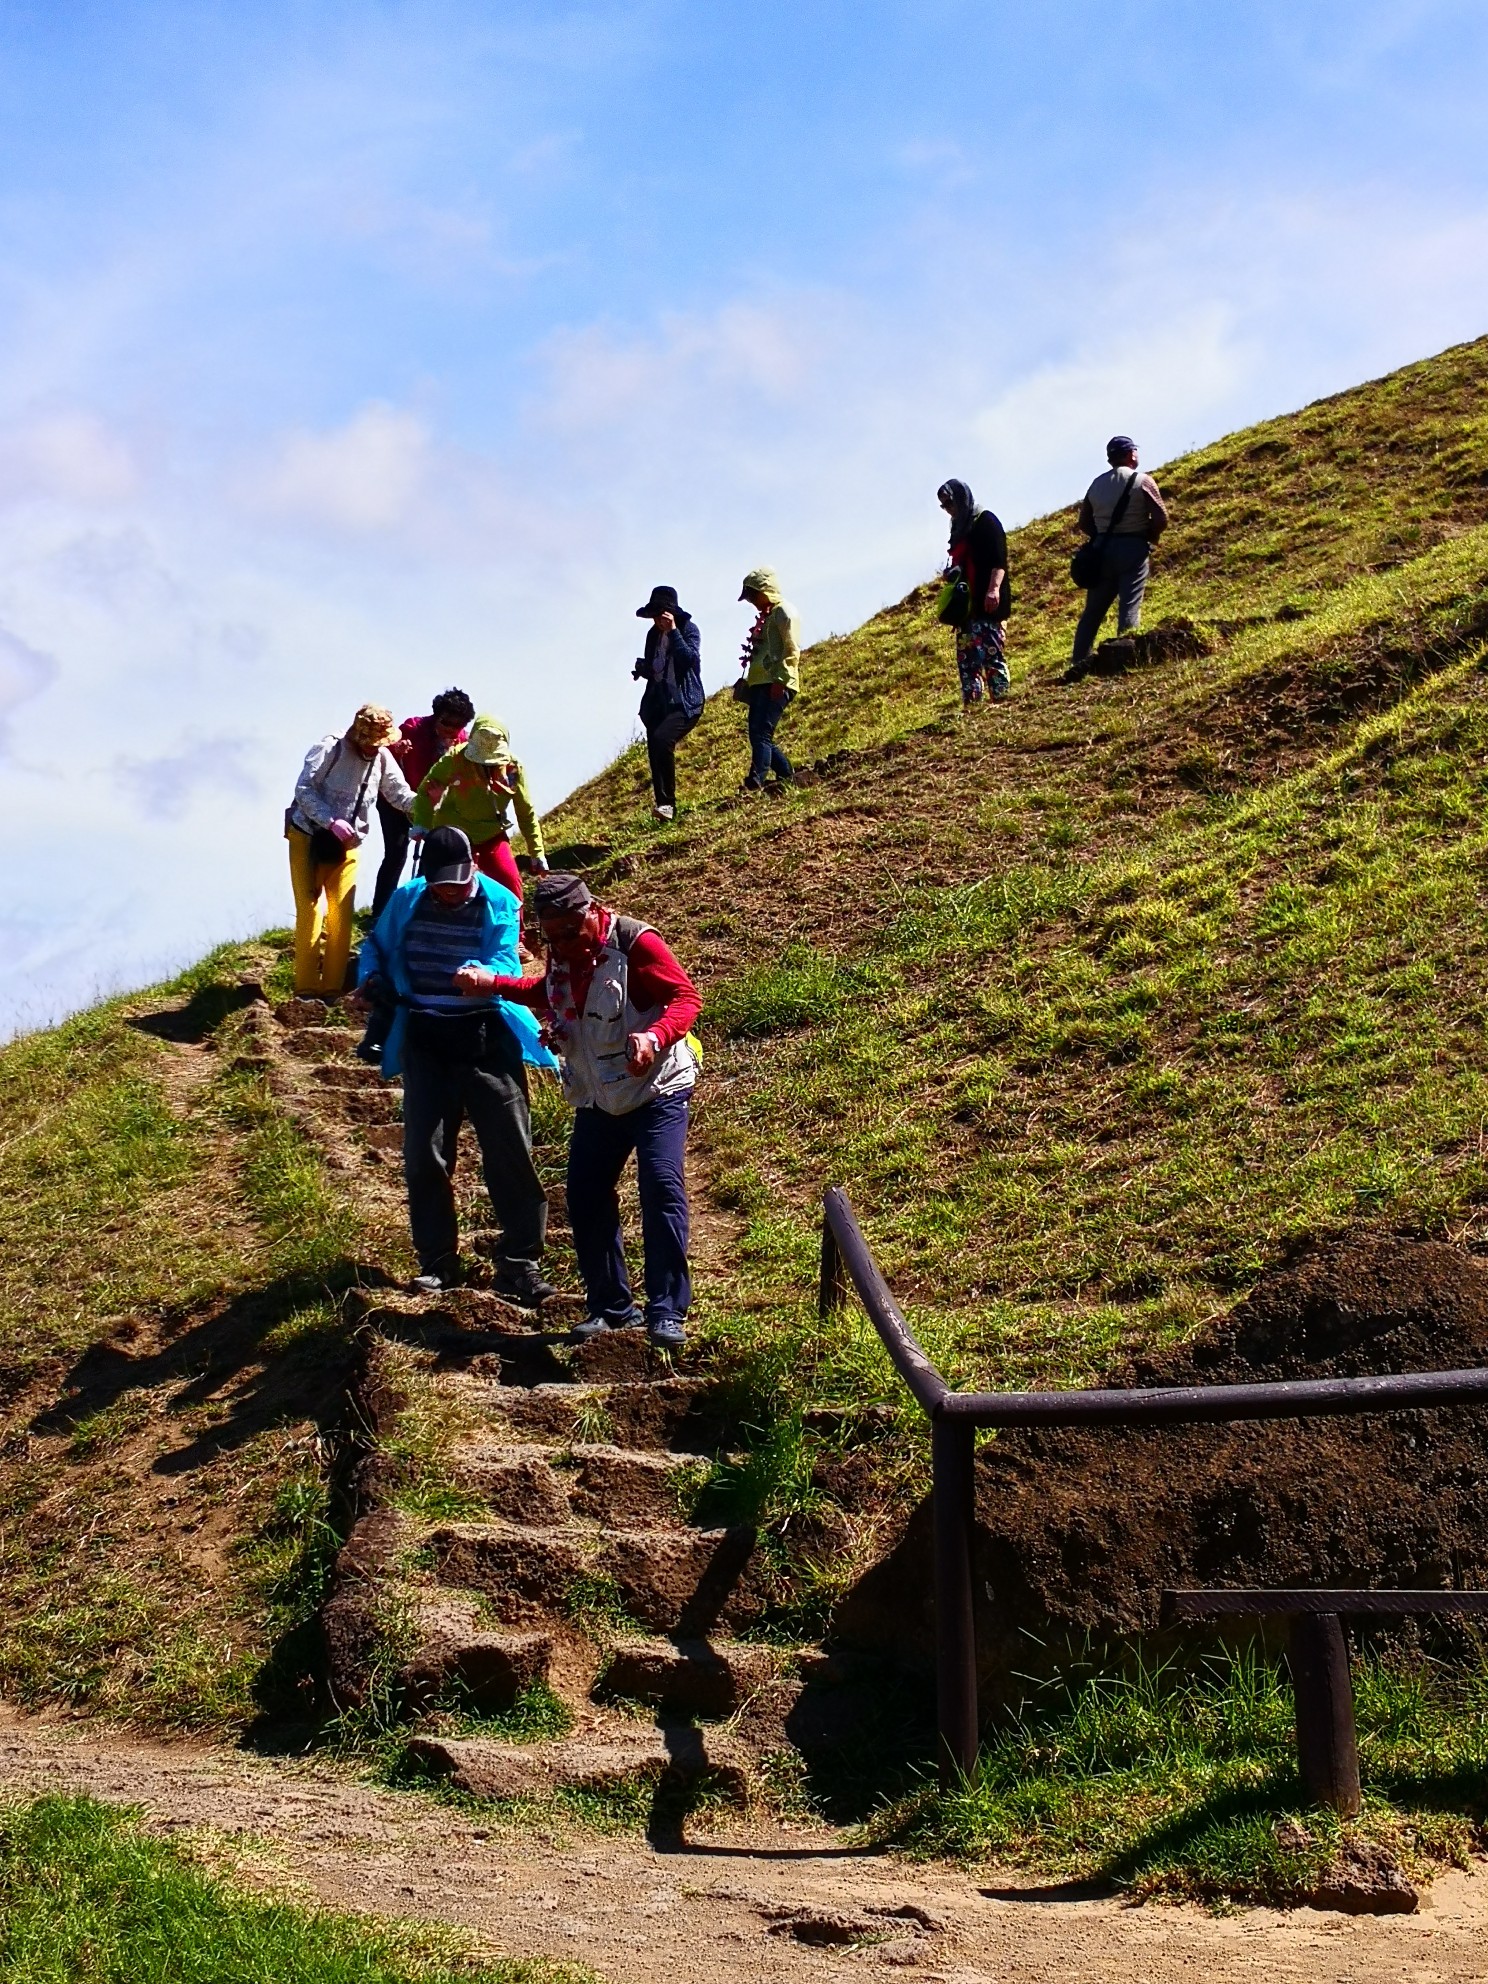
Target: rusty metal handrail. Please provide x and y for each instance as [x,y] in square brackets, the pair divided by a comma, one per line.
[955,1416]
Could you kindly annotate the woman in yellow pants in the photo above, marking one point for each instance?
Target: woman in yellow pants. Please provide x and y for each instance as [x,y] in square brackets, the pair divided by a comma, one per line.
[342,780]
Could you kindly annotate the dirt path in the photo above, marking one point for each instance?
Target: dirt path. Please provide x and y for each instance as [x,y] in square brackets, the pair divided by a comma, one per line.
[725,1909]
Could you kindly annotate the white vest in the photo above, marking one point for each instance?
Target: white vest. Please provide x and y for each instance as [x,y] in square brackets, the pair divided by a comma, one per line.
[594,1071]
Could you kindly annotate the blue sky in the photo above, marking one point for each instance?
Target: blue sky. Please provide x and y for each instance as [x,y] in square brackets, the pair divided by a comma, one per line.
[350,350]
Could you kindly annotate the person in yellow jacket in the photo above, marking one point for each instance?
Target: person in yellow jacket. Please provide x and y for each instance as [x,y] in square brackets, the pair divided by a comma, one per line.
[772,675]
[471,788]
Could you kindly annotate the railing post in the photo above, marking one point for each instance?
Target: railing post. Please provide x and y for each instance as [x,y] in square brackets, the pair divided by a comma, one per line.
[833,1288]
[1327,1747]
[953,1452]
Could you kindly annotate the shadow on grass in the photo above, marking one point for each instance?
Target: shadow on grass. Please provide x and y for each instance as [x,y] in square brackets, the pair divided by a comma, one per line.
[305,1379]
[201,1015]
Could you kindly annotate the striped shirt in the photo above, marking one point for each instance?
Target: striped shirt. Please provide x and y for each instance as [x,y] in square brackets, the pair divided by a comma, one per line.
[439,941]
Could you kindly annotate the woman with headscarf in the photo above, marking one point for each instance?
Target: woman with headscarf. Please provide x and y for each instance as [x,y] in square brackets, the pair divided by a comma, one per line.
[342,779]
[978,549]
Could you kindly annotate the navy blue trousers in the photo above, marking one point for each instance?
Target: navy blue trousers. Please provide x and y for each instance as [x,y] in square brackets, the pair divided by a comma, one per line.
[598,1153]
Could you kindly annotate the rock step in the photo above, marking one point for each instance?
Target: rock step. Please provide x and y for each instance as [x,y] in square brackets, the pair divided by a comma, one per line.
[688,1676]
[675,1581]
[488,1666]
[346,1074]
[664,1760]
[681,1414]
[328,1044]
[549,1485]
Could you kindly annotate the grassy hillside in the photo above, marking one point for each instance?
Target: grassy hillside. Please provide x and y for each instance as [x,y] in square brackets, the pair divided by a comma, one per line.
[1097,1001]
[1100,999]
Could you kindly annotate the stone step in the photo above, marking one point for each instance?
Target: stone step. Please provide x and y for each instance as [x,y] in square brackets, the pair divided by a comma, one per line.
[672,1760]
[682,1414]
[345,1074]
[324,1043]
[676,1581]
[460,1651]
[361,1105]
[689,1676]
[614,1486]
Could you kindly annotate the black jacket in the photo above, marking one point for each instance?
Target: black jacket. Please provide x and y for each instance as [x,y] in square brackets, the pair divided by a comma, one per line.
[673,670]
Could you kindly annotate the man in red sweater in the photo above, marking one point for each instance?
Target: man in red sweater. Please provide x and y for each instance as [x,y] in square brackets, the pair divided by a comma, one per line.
[619,1011]
[421,742]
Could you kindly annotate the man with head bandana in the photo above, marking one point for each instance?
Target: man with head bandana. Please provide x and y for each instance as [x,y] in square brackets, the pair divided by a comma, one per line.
[620,1010]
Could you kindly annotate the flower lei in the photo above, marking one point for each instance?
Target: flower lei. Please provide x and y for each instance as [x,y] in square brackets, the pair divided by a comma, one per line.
[753,638]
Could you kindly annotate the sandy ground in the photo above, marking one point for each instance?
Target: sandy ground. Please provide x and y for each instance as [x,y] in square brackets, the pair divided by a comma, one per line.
[733,1905]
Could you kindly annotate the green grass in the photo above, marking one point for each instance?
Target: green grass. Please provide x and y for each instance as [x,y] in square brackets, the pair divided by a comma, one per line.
[167,1221]
[1183,1782]
[87,1897]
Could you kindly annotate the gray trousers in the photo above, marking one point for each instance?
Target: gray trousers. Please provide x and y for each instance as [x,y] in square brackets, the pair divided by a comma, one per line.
[437,1096]
[1124,567]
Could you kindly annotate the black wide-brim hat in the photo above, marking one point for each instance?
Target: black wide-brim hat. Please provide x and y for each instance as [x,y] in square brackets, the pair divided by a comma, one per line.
[663,600]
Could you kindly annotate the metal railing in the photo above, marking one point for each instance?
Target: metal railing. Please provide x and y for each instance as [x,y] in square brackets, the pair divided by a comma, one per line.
[955,1416]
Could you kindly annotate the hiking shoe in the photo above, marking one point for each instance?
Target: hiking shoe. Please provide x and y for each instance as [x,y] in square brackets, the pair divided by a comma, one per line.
[666,1333]
[434,1282]
[591,1326]
[663,812]
[752,786]
[523,1285]
[1077,671]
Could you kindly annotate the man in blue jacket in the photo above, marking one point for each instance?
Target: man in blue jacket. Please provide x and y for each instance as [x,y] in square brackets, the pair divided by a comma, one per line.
[672,671]
[459,1056]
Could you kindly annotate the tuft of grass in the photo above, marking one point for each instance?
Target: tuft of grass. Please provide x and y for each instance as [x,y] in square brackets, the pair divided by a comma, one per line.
[87,1897]
[801,987]
[1182,1781]
[538,1715]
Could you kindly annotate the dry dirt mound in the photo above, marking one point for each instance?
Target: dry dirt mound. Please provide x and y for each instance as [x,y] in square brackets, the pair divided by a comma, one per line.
[1081,1532]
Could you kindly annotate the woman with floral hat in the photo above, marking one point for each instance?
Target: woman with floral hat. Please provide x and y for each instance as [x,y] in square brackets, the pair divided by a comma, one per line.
[342,780]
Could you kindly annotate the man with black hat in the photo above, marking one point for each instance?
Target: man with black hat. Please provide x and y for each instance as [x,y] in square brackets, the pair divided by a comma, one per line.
[671,669]
[621,1010]
[1124,511]
[460,1054]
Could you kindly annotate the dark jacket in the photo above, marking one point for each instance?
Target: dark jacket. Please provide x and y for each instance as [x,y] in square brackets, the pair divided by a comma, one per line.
[982,551]
[673,670]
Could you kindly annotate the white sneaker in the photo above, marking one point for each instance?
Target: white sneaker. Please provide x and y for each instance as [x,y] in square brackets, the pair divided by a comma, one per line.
[663,812]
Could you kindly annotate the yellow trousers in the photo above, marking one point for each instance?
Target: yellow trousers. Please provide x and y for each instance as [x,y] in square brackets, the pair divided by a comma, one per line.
[324,900]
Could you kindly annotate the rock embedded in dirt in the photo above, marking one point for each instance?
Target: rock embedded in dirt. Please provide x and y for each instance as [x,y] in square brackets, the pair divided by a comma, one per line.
[1365,1879]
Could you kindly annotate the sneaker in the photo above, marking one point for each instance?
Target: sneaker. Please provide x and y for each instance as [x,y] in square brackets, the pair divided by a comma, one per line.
[1077,671]
[433,1283]
[663,812]
[523,1285]
[751,785]
[666,1333]
[369,1051]
[590,1327]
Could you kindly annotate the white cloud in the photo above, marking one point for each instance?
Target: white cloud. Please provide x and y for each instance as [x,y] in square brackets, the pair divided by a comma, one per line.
[364,476]
[24,673]
[70,455]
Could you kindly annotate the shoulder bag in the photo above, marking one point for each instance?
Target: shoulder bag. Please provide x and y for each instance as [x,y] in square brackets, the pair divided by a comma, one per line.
[1085,566]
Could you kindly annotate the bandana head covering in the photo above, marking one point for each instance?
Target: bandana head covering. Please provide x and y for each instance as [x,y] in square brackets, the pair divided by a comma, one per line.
[964,511]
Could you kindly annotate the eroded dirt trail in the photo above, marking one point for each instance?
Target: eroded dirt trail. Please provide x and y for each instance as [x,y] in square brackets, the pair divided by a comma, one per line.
[732,1906]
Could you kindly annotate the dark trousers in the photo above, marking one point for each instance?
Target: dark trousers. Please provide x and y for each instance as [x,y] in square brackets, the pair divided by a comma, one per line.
[765,711]
[437,1096]
[1125,564]
[662,740]
[394,853]
[597,1154]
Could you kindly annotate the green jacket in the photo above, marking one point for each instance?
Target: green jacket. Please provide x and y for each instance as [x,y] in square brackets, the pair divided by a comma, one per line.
[467,801]
[777,653]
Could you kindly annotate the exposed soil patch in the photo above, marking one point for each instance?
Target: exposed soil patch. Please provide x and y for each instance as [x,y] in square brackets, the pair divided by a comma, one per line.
[739,1903]
[1082,1532]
